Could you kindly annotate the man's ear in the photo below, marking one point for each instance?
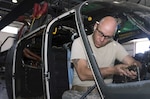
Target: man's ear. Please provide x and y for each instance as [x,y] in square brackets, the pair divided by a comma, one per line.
[95,25]
[94,28]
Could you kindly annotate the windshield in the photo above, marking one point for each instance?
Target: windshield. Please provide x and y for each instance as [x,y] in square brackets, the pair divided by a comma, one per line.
[132,21]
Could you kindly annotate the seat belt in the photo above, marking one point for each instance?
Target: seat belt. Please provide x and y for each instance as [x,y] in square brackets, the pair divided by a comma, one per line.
[69,65]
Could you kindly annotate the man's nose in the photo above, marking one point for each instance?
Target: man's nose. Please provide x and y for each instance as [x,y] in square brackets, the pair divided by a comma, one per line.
[102,38]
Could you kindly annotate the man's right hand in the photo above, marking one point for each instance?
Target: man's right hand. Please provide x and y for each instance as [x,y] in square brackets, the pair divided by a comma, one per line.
[122,69]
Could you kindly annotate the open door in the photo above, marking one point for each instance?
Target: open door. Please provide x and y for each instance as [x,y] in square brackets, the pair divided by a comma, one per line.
[27,78]
[58,39]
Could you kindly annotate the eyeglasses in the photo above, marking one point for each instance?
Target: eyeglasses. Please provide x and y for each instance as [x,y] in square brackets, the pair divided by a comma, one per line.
[103,35]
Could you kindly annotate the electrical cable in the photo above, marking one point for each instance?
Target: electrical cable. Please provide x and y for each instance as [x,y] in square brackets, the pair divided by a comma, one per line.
[88,91]
[138,1]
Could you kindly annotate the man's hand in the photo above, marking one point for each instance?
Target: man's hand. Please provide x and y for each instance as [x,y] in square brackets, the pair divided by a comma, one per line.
[122,69]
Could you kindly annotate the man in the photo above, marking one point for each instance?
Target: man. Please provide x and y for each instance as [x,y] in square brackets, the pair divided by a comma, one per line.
[106,51]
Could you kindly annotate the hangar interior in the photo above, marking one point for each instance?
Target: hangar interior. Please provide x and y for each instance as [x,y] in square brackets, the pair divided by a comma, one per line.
[12,16]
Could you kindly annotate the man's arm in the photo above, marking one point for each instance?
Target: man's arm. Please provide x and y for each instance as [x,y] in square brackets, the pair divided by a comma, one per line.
[85,73]
[131,61]
[82,69]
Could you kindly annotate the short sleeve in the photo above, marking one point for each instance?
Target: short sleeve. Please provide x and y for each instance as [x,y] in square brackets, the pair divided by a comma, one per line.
[77,50]
[121,52]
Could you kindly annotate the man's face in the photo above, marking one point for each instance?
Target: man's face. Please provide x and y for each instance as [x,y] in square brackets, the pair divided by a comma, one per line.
[102,35]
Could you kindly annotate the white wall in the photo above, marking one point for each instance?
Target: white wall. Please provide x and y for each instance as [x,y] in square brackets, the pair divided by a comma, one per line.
[130,48]
[9,41]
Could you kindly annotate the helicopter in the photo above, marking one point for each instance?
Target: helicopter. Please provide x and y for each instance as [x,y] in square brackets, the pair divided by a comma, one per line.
[48,73]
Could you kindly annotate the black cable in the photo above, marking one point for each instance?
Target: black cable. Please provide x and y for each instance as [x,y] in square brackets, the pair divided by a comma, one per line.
[138,1]
[88,91]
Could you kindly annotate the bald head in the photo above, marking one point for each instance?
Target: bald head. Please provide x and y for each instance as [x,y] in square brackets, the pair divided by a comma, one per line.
[108,24]
[104,31]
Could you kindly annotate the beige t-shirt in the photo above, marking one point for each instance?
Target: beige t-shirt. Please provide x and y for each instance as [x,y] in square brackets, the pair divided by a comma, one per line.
[105,56]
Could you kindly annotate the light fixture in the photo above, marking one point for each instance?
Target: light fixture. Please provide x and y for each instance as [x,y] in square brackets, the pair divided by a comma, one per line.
[14,1]
[115,2]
